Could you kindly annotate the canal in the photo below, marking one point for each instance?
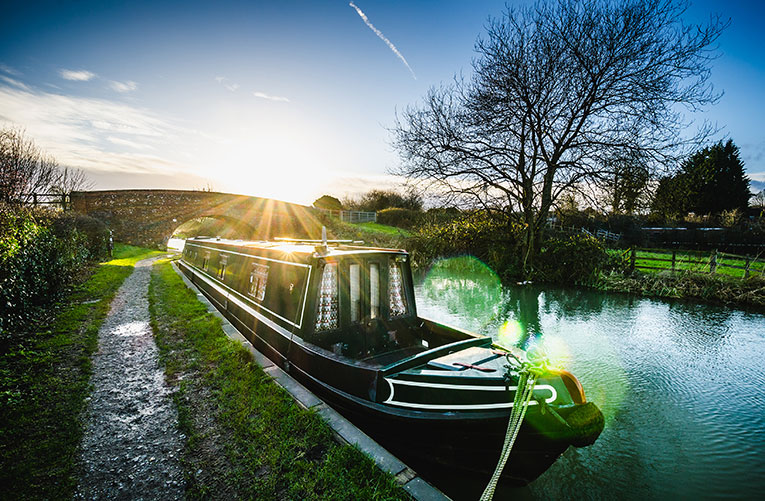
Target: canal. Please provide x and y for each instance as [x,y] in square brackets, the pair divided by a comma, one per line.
[682,385]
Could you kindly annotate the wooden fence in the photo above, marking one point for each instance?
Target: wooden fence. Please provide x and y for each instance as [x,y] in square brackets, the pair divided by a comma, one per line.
[60,199]
[599,234]
[716,262]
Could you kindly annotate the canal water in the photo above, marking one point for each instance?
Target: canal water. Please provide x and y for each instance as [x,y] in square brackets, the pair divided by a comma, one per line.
[682,385]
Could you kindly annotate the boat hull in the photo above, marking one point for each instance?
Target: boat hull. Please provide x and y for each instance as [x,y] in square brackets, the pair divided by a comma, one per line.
[466,442]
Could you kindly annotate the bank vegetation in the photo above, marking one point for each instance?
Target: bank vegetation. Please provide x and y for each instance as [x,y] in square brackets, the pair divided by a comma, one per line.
[47,342]
[246,438]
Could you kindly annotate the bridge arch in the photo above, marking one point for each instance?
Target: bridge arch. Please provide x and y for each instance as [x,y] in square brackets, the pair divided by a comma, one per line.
[149,217]
[212,225]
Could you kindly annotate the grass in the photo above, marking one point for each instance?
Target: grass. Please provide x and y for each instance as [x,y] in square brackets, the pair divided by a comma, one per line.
[382,228]
[245,437]
[689,279]
[44,382]
[713,288]
[694,261]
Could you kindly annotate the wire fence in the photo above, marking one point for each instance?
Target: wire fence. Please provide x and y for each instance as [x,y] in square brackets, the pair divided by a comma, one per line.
[600,234]
[353,216]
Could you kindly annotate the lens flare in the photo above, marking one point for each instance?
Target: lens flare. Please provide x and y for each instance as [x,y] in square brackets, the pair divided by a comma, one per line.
[510,333]
[467,288]
[555,350]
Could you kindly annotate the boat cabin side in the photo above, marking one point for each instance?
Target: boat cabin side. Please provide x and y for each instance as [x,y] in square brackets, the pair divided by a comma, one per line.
[351,303]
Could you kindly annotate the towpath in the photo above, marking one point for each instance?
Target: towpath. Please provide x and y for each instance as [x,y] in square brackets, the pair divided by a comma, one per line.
[131,445]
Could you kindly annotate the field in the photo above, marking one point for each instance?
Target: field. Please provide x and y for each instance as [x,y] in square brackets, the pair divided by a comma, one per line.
[382,228]
[658,260]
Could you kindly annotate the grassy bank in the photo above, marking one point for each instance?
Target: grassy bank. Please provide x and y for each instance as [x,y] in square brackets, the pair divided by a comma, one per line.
[382,228]
[44,374]
[689,285]
[246,438]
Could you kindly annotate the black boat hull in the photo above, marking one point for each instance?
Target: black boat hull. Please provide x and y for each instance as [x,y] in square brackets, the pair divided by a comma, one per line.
[458,441]
[468,441]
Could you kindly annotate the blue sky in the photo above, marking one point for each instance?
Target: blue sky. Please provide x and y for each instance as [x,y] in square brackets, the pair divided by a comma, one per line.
[284,99]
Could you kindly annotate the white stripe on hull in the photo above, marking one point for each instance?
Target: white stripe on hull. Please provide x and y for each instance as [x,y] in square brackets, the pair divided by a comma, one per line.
[460,407]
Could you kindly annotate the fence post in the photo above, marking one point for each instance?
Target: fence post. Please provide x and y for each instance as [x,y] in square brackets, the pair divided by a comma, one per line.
[674,253]
[713,262]
[746,266]
[632,260]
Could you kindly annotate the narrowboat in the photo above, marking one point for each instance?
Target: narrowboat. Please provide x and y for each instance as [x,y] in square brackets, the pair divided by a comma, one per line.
[341,319]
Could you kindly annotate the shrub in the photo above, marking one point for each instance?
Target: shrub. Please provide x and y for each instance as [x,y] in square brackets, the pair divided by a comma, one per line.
[492,238]
[630,227]
[440,215]
[39,257]
[577,259]
[94,230]
[402,218]
[328,202]
[377,200]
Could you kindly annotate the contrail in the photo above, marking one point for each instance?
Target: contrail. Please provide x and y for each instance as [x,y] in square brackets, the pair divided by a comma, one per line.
[382,37]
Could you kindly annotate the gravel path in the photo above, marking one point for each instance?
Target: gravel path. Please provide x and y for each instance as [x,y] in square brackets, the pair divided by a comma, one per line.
[131,445]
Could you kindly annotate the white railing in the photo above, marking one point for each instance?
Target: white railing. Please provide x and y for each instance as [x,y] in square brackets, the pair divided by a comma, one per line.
[353,216]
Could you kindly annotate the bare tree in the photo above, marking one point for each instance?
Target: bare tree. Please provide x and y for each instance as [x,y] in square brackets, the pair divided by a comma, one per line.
[626,189]
[558,89]
[70,180]
[758,200]
[25,170]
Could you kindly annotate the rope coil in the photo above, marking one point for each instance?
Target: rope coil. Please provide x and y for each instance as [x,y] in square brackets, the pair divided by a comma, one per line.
[527,379]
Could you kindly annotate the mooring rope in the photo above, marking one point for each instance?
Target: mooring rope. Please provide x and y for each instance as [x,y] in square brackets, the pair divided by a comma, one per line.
[527,379]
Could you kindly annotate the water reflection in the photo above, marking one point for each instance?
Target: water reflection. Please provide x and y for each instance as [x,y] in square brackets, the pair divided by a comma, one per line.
[681,384]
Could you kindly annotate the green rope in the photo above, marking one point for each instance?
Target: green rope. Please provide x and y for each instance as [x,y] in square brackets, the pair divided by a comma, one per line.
[527,379]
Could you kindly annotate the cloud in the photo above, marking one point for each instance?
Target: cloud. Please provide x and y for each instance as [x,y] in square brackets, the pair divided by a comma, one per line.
[15,82]
[128,86]
[77,131]
[263,95]
[229,86]
[11,71]
[79,75]
[128,143]
[383,38]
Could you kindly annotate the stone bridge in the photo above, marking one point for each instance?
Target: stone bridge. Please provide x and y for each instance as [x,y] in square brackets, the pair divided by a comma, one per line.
[149,217]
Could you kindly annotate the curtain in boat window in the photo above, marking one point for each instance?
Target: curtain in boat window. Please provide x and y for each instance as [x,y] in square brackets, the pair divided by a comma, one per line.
[396,295]
[374,290]
[355,292]
[327,315]
[258,279]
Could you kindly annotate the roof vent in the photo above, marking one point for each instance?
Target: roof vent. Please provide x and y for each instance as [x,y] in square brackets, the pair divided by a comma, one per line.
[323,248]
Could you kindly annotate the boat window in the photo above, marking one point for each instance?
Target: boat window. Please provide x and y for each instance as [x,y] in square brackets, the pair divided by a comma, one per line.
[258,279]
[206,261]
[396,294]
[355,292]
[374,290]
[327,315]
[222,267]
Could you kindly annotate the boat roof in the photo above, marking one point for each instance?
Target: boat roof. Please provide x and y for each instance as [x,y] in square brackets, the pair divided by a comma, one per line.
[313,248]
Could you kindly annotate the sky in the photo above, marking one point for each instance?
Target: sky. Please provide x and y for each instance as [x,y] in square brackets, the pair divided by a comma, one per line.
[281,99]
